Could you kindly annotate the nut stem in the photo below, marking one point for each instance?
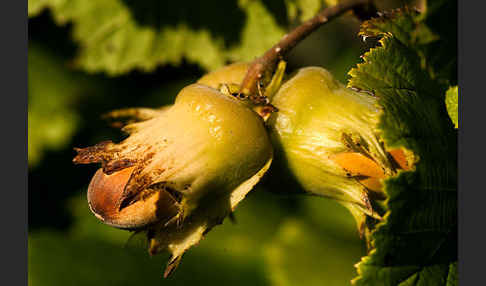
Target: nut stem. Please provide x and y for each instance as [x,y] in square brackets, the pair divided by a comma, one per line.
[268,61]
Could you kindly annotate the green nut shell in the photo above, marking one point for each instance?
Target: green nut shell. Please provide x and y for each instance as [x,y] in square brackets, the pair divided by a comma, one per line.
[316,114]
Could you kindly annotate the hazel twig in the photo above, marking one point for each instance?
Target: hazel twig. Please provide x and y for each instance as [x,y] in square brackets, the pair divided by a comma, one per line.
[267,62]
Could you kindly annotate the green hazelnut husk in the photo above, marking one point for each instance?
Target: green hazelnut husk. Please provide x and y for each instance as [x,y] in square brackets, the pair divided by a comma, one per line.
[323,134]
[181,171]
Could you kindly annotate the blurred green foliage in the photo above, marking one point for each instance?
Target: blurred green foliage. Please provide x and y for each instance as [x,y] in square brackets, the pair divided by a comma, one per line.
[116,36]
[75,47]
[51,94]
[271,244]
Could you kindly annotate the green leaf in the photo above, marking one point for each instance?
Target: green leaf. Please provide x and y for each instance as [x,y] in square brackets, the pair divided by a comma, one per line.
[114,40]
[116,36]
[432,35]
[416,243]
[451,104]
